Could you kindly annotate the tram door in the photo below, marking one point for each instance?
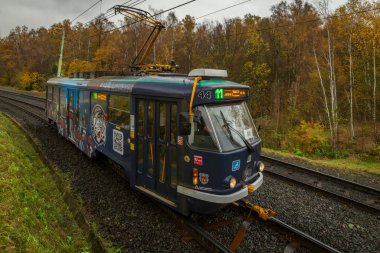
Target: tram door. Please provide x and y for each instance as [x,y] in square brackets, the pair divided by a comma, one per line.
[157,159]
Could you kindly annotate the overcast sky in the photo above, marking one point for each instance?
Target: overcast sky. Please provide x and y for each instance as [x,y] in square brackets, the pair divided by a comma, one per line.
[37,13]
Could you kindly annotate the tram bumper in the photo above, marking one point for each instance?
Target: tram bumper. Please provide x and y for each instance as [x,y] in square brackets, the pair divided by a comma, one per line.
[200,200]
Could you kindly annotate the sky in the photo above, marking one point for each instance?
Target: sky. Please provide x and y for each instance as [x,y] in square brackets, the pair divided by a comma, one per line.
[37,13]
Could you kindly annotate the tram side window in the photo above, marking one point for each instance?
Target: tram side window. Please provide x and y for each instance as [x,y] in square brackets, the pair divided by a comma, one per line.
[49,93]
[173,124]
[82,109]
[62,102]
[162,133]
[150,118]
[141,118]
[119,110]
[55,94]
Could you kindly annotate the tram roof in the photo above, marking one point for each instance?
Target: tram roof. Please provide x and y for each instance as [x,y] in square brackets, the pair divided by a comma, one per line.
[177,86]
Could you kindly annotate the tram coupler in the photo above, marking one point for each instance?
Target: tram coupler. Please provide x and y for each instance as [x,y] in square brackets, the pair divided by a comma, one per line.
[264,213]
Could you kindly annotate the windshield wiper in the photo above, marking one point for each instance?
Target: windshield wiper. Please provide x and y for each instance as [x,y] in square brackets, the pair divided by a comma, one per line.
[229,128]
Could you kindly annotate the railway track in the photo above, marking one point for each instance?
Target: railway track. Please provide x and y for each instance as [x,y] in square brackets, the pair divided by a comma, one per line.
[358,194]
[197,231]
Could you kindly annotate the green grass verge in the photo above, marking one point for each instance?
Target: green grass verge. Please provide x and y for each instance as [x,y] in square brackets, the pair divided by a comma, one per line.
[33,214]
[349,163]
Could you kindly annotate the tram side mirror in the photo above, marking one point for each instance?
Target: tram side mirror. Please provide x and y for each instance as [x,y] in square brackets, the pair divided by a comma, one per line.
[259,128]
[184,124]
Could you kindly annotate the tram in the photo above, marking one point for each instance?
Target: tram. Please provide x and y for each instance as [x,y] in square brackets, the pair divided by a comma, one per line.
[187,141]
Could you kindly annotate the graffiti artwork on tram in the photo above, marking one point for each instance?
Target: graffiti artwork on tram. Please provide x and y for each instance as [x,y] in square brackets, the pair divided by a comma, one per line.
[98,125]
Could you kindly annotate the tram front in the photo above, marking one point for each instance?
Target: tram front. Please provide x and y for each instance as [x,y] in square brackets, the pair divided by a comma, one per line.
[222,152]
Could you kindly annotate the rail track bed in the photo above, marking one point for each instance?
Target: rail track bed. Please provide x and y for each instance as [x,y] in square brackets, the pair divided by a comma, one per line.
[131,222]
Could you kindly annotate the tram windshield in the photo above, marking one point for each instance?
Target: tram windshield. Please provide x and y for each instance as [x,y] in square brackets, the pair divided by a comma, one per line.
[228,126]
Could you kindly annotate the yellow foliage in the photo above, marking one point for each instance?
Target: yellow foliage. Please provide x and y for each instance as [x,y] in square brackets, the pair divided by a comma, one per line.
[81,66]
[32,81]
[309,136]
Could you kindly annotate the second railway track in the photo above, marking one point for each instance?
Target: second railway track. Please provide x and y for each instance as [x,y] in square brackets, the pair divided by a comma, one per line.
[350,191]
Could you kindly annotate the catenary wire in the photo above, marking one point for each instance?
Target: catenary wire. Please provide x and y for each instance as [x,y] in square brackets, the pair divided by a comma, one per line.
[226,8]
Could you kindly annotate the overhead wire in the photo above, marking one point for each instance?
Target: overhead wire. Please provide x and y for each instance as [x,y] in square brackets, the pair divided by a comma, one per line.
[89,8]
[109,14]
[126,25]
[223,9]
[134,4]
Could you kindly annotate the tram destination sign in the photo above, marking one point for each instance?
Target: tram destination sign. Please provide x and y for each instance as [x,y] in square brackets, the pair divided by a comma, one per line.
[222,93]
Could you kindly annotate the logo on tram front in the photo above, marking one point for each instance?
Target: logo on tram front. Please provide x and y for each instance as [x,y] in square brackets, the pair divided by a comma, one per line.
[203,178]
[98,125]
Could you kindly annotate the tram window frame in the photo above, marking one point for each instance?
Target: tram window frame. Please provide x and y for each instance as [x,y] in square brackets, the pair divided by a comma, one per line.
[49,93]
[151,118]
[55,97]
[82,111]
[127,111]
[62,101]
[173,123]
[173,159]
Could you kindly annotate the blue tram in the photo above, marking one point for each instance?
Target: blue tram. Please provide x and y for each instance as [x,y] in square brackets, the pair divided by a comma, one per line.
[187,141]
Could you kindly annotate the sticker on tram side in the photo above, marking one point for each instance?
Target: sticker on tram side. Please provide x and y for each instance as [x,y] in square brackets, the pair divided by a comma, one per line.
[180,140]
[118,144]
[132,130]
[98,125]
[187,158]
[235,165]
[203,178]
[132,119]
[198,160]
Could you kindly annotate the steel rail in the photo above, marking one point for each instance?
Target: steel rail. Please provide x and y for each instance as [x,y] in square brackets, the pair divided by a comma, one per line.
[23,102]
[21,94]
[24,109]
[202,236]
[300,237]
[329,184]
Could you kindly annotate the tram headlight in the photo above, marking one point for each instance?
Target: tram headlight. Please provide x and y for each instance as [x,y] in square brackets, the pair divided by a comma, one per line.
[232,182]
[261,166]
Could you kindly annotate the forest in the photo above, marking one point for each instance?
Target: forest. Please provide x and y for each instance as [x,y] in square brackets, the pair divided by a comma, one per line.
[313,72]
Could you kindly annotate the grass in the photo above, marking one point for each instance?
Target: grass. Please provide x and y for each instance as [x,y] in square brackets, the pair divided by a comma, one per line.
[33,214]
[349,163]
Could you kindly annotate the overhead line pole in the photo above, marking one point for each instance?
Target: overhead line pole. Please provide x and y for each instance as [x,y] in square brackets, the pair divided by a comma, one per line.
[59,70]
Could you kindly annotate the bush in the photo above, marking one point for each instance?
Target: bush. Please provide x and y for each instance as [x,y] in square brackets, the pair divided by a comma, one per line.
[32,81]
[375,152]
[77,66]
[309,137]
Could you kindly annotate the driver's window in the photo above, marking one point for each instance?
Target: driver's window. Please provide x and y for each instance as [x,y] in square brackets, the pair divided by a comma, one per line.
[201,132]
